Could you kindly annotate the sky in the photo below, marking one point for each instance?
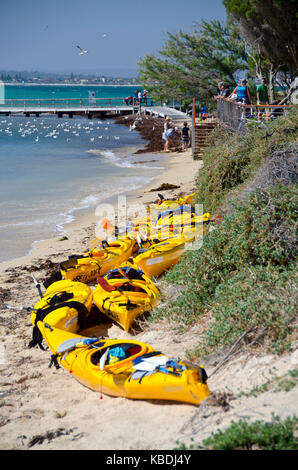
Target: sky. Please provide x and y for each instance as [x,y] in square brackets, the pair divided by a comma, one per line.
[42,35]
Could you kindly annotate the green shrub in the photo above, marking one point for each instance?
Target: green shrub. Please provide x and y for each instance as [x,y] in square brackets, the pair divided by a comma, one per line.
[244,273]
[260,435]
[258,299]
[232,159]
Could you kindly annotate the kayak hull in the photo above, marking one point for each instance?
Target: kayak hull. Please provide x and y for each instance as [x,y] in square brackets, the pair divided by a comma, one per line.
[159,257]
[123,379]
[65,317]
[123,299]
[88,268]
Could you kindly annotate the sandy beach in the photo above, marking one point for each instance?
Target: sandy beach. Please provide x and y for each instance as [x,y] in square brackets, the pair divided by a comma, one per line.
[47,409]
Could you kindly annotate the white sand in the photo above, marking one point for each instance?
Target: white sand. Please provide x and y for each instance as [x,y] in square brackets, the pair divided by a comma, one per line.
[36,400]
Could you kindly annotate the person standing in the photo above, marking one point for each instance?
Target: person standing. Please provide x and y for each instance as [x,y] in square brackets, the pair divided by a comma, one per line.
[185,136]
[136,97]
[223,91]
[168,134]
[262,97]
[167,129]
[243,93]
[144,96]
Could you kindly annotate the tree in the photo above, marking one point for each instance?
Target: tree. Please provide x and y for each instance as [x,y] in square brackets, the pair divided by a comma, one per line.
[269,27]
[192,64]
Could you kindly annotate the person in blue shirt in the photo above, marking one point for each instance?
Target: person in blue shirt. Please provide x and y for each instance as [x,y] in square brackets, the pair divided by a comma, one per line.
[242,92]
[204,113]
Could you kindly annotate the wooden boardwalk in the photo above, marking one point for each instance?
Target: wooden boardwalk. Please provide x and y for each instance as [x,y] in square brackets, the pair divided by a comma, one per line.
[98,108]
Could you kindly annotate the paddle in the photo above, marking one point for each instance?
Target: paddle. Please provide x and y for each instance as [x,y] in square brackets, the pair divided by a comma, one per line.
[161,198]
[106,224]
[72,343]
[27,309]
[158,364]
[105,285]
[145,236]
[139,241]
[37,286]
[122,273]
[103,359]
[108,227]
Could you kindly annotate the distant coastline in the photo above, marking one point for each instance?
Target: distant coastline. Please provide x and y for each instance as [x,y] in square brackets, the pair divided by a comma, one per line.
[72,84]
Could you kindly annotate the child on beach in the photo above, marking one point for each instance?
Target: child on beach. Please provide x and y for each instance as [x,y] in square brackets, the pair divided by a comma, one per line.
[185,136]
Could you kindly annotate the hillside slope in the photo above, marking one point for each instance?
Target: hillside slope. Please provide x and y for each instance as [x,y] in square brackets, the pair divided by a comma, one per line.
[240,287]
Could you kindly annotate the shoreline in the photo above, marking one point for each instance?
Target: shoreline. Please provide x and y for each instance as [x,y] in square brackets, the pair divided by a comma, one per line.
[76,216]
[47,409]
[85,223]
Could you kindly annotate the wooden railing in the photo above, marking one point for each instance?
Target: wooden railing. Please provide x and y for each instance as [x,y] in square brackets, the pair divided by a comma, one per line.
[242,117]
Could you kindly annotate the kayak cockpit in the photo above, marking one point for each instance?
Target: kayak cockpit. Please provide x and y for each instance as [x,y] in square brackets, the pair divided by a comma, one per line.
[116,353]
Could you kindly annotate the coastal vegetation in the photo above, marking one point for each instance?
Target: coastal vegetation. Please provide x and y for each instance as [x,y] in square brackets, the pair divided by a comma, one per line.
[259,435]
[240,286]
[241,282]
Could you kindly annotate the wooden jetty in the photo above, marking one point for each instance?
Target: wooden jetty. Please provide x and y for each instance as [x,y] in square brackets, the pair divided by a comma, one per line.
[98,107]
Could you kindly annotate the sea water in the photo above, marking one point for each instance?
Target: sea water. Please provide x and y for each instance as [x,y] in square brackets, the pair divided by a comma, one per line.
[51,92]
[53,169]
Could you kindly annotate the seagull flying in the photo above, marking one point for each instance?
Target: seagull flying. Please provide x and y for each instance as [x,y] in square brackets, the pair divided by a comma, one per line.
[82,52]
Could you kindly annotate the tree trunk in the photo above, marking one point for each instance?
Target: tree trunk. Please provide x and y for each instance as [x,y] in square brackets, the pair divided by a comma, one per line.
[292,89]
[271,83]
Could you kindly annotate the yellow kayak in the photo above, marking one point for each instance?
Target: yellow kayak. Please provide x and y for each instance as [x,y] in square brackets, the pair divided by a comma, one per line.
[179,215]
[147,222]
[65,304]
[125,368]
[163,205]
[124,294]
[159,257]
[173,221]
[187,225]
[97,261]
[166,203]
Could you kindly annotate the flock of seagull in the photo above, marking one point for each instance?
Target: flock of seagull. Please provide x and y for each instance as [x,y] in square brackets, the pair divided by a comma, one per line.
[38,128]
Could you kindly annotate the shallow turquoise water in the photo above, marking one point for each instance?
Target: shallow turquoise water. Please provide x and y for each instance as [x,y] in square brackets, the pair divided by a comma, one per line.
[53,169]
